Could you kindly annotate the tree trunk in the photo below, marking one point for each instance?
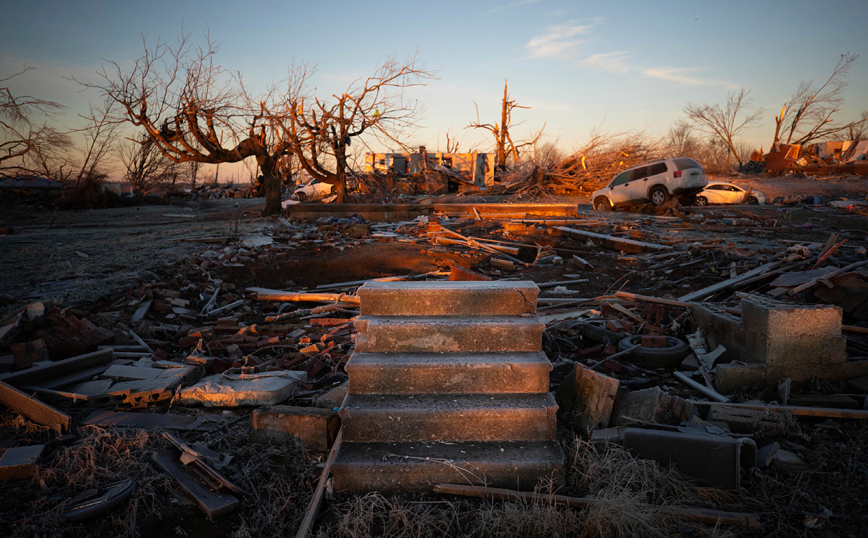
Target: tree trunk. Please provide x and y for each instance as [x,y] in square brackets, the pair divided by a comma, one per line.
[271,185]
[341,158]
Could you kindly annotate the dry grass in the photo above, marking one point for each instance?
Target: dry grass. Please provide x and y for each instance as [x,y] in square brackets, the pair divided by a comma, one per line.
[631,499]
[98,459]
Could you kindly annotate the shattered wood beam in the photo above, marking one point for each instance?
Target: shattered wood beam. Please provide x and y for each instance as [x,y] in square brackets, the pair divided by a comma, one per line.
[33,409]
[315,505]
[799,411]
[827,276]
[613,243]
[265,294]
[703,515]
[729,283]
[649,299]
[37,375]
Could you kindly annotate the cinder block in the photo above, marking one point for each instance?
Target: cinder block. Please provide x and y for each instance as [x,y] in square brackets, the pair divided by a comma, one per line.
[729,378]
[309,427]
[454,298]
[448,335]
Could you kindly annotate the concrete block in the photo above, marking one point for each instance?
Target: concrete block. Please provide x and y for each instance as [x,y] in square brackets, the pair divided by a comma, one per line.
[729,378]
[417,467]
[20,462]
[268,388]
[453,298]
[650,405]
[308,427]
[334,398]
[449,417]
[449,335]
[741,420]
[432,373]
[585,399]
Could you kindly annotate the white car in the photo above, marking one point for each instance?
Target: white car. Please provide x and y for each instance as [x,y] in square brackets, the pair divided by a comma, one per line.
[314,190]
[654,182]
[718,192]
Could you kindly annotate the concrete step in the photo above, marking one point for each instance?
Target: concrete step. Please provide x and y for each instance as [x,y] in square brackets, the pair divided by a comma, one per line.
[448,298]
[449,417]
[448,334]
[418,467]
[432,373]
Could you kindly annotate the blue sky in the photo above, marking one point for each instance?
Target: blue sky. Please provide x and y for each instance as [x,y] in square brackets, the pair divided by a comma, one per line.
[627,65]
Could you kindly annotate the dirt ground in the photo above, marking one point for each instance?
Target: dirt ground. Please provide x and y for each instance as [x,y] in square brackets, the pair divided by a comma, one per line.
[101,262]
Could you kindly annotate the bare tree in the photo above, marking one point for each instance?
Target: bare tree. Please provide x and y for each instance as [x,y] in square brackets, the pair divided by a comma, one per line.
[21,135]
[680,140]
[725,122]
[194,111]
[503,144]
[322,129]
[807,116]
[145,167]
[99,137]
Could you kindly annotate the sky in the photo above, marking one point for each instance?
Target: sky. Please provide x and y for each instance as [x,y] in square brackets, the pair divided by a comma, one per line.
[620,66]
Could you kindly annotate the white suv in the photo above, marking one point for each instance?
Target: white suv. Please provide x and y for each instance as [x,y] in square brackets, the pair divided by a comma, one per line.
[654,182]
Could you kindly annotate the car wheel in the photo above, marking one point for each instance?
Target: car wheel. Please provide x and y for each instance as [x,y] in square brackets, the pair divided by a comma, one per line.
[333,190]
[300,196]
[602,204]
[657,357]
[701,200]
[752,200]
[658,196]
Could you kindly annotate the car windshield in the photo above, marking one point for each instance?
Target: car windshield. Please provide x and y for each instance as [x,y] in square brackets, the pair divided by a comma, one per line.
[683,163]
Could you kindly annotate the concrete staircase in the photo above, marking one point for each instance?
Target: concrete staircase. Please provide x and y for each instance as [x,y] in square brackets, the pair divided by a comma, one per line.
[448,383]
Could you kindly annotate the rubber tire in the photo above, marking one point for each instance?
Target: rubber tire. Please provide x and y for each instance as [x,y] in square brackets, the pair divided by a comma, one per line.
[752,201]
[658,196]
[301,197]
[602,204]
[333,190]
[701,201]
[653,357]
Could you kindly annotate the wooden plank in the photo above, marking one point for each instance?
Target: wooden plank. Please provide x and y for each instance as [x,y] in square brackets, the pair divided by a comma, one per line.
[51,370]
[703,515]
[129,373]
[213,503]
[142,311]
[264,294]
[105,418]
[611,242]
[20,462]
[798,411]
[649,299]
[729,283]
[33,409]
[78,377]
[315,505]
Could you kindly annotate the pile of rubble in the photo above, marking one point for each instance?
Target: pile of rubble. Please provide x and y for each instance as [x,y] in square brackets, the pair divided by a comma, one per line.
[712,368]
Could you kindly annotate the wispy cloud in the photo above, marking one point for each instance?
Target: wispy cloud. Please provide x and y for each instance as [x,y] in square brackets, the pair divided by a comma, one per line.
[675,74]
[558,41]
[510,6]
[614,62]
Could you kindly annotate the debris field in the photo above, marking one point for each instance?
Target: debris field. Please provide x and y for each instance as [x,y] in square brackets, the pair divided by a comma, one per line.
[213,390]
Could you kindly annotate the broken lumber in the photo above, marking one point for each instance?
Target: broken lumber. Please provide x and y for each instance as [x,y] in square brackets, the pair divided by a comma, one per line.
[611,242]
[315,505]
[713,394]
[703,515]
[649,299]
[796,410]
[33,409]
[729,283]
[264,294]
[212,503]
[49,370]
[827,276]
